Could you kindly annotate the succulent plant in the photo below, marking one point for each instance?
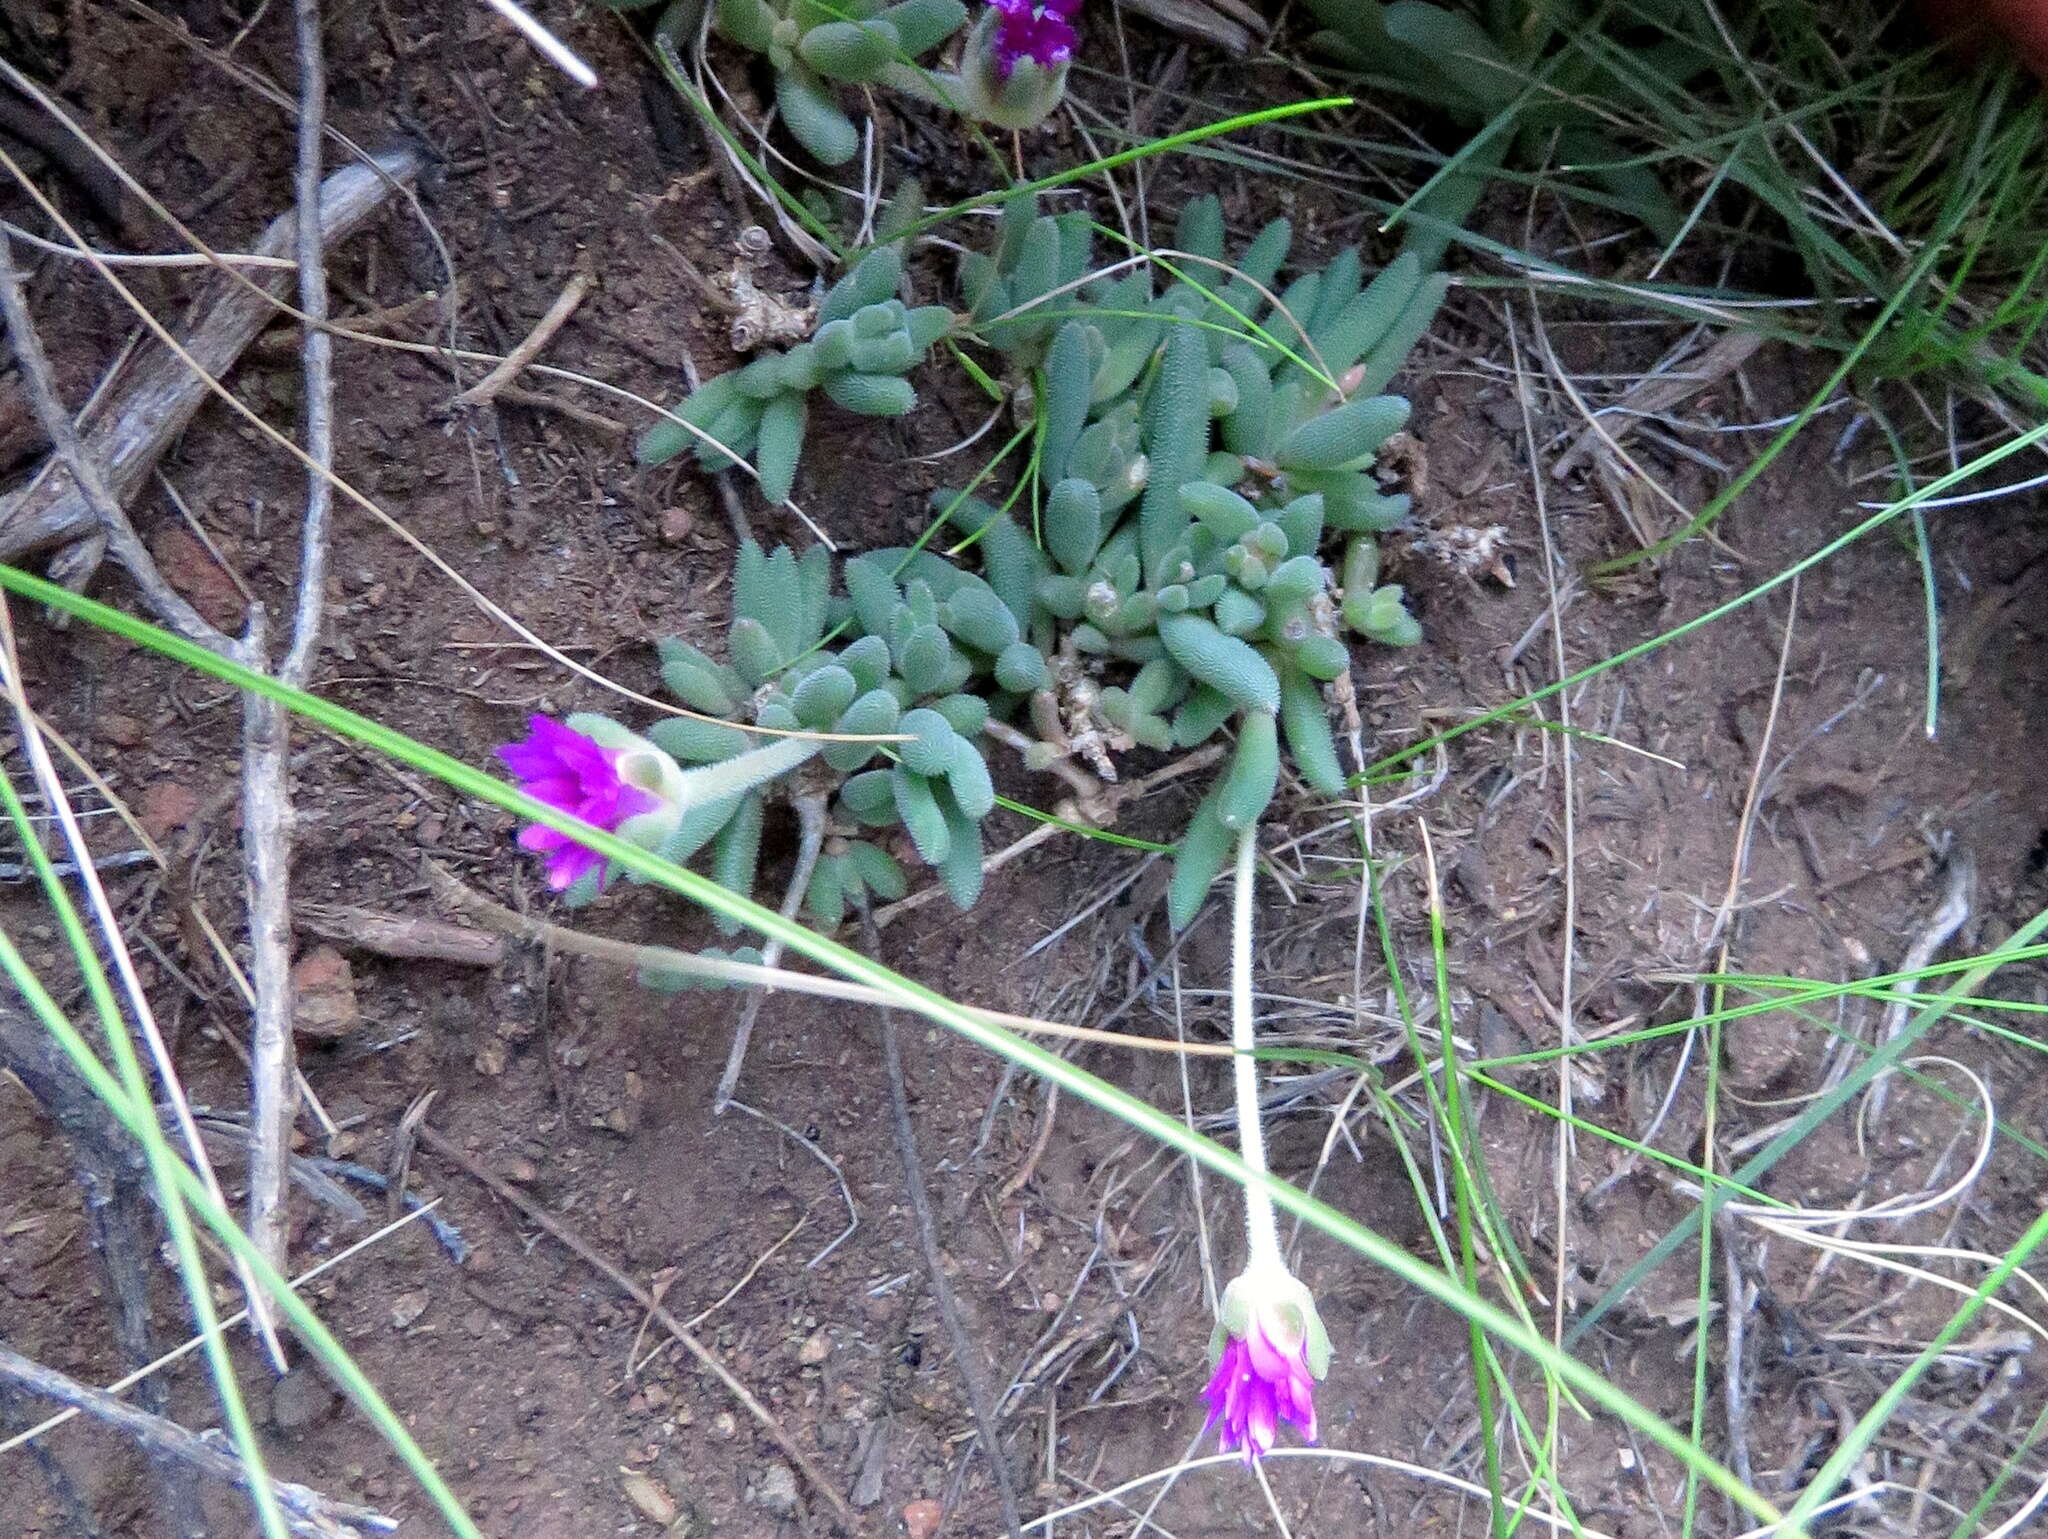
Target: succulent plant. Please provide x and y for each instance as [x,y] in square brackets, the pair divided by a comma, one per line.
[913,657]
[1200,447]
[1197,460]
[813,43]
[865,344]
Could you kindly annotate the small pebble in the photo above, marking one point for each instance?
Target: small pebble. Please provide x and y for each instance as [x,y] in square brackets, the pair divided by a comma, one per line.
[649,1499]
[301,1398]
[922,1517]
[121,731]
[323,995]
[816,1348]
[776,1489]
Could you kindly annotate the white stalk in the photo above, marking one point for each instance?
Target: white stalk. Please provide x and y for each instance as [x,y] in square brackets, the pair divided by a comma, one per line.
[1261,1227]
[649,769]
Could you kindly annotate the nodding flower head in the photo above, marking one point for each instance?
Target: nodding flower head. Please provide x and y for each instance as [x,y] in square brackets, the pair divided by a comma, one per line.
[1270,1348]
[1015,69]
[592,769]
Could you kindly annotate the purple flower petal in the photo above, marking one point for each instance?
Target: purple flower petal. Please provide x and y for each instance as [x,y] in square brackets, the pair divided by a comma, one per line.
[571,773]
[1260,1381]
[1039,30]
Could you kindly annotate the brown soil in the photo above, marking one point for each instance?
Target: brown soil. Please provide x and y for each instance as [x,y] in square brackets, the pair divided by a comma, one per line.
[1073,1246]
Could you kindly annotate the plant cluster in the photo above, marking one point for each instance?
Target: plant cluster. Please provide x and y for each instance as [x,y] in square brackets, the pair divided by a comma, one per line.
[1548,65]
[1013,64]
[1199,446]
[916,662]
[866,343]
[812,44]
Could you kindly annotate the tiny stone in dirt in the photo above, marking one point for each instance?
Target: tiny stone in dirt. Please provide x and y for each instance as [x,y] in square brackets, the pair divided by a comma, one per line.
[324,1000]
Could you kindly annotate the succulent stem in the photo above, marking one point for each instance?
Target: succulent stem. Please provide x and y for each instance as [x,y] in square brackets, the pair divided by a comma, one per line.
[1261,1227]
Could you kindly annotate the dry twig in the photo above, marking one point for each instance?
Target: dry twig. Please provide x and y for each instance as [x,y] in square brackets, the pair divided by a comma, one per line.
[486,390]
[1655,394]
[305,1510]
[266,726]
[163,391]
[99,503]
[964,1354]
[667,959]
[407,936]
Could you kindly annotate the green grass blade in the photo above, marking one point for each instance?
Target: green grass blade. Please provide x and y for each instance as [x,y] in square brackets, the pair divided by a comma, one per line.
[1806,563]
[1140,1115]
[1826,1106]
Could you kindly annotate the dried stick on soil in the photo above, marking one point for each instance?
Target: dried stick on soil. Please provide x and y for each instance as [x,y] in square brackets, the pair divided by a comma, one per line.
[632,954]
[1949,917]
[407,936]
[266,875]
[540,400]
[317,350]
[964,1354]
[305,1510]
[449,1150]
[266,726]
[98,502]
[162,392]
[485,390]
[1655,394]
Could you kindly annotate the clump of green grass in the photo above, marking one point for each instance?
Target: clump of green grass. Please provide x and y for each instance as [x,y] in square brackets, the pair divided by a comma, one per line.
[1829,154]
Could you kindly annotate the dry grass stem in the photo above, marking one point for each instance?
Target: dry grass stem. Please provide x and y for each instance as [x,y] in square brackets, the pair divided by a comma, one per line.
[667,959]
[487,389]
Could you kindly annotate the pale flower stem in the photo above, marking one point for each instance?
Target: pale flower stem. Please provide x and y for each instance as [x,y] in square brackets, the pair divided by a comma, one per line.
[743,772]
[1261,1227]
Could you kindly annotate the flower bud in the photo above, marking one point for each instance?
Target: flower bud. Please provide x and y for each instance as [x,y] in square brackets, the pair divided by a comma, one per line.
[1270,1348]
[1014,71]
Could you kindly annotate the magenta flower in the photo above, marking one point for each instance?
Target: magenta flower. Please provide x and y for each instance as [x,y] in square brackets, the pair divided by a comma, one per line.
[1272,1351]
[574,774]
[1258,1384]
[1013,70]
[1039,30]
